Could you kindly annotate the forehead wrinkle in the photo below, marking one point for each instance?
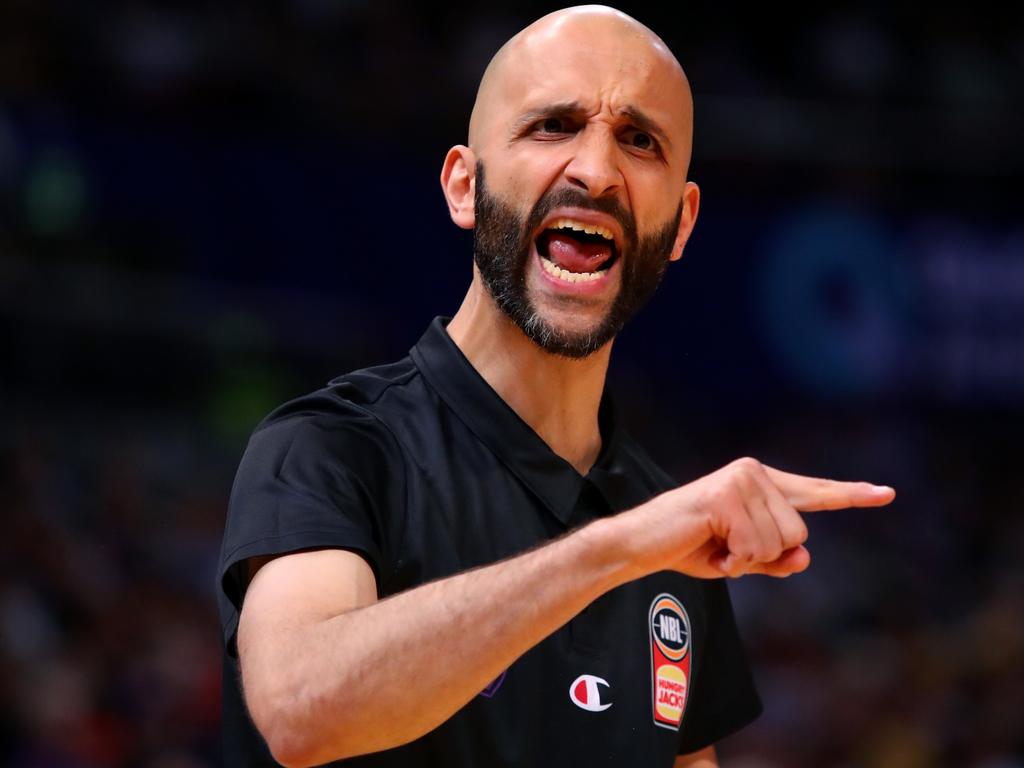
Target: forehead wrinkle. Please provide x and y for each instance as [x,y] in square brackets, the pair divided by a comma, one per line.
[634,114]
[541,108]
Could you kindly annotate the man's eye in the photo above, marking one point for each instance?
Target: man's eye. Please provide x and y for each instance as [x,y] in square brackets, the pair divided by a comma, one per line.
[551,125]
[640,140]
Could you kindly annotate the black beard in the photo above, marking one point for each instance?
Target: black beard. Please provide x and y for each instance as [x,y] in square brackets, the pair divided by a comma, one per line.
[501,250]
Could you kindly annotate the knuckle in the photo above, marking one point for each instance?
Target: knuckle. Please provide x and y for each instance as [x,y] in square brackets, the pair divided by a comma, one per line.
[796,533]
[748,464]
[722,496]
[802,533]
[744,475]
[743,553]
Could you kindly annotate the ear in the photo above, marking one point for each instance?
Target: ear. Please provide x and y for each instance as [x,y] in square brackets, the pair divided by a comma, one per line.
[458,181]
[691,204]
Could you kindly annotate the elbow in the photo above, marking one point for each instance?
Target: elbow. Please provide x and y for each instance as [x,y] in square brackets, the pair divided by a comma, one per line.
[295,741]
[288,745]
[287,741]
[290,753]
[293,751]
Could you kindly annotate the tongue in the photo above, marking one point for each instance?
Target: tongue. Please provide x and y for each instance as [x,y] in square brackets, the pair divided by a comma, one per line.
[575,255]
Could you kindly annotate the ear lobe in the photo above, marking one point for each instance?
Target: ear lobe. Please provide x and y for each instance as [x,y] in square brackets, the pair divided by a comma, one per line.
[691,204]
[458,182]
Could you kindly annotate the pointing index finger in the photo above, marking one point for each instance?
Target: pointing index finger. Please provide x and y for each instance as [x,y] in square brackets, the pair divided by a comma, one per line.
[813,494]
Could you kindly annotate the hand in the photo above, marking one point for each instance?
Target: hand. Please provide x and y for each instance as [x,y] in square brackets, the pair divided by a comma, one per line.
[743,518]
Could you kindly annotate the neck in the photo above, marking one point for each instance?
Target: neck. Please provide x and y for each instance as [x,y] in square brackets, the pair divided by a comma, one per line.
[556,396]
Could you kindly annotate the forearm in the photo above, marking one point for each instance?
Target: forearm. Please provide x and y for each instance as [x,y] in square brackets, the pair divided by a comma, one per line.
[332,685]
[387,673]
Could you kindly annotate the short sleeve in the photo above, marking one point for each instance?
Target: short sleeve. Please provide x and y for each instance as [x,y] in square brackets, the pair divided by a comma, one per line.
[317,475]
[724,697]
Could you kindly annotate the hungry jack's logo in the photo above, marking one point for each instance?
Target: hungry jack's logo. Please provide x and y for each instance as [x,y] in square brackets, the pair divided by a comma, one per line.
[669,628]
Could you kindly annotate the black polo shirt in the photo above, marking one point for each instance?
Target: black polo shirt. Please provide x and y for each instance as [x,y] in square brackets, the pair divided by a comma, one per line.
[421,468]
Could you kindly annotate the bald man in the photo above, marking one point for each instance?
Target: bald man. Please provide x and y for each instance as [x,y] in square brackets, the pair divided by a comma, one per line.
[461,559]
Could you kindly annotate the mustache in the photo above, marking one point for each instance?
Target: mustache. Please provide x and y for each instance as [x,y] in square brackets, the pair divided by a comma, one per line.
[569,197]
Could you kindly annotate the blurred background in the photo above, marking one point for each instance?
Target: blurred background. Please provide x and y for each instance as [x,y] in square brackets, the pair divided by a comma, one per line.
[208,210]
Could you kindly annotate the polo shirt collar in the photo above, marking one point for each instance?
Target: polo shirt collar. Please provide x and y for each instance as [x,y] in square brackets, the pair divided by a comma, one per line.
[554,480]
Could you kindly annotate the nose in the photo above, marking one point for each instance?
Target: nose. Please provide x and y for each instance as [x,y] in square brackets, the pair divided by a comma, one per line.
[594,166]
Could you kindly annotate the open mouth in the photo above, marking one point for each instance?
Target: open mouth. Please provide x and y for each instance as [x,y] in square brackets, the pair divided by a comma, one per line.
[575,251]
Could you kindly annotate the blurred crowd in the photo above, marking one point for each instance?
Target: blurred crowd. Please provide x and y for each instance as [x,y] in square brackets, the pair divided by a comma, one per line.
[195,206]
[110,652]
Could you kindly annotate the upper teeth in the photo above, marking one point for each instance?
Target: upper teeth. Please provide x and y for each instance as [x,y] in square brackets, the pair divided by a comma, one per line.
[579,226]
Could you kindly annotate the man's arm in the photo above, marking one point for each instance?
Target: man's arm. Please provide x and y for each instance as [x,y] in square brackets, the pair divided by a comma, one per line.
[325,668]
[317,651]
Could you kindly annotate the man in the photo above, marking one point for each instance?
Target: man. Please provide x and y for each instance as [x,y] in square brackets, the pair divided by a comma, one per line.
[460,559]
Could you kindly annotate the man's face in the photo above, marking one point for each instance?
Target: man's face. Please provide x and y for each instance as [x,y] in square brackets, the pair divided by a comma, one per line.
[503,247]
[584,132]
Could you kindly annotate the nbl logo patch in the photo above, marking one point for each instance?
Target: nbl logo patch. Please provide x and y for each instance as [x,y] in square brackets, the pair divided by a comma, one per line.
[669,627]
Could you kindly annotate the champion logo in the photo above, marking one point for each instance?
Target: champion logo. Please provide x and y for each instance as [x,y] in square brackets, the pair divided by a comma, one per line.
[586,694]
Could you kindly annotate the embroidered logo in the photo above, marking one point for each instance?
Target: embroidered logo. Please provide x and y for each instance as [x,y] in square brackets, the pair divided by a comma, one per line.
[669,627]
[585,693]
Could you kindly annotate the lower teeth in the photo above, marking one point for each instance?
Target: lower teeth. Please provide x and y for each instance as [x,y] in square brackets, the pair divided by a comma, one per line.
[563,274]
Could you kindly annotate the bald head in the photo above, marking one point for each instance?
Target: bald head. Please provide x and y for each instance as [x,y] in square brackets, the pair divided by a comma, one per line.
[583,120]
[568,43]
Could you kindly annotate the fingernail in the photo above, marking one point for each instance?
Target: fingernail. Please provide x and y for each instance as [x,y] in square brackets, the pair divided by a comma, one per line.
[881,488]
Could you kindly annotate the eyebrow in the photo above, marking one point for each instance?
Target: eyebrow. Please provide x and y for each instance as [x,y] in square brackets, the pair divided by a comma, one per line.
[574,108]
[646,123]
[558,109]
